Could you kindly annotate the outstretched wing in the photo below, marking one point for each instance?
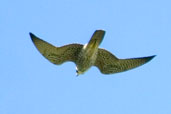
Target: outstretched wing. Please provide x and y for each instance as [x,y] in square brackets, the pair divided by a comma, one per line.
[57,55]
[108,63]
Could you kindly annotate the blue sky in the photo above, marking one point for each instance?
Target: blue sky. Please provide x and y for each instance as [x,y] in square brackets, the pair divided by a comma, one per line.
[29,84]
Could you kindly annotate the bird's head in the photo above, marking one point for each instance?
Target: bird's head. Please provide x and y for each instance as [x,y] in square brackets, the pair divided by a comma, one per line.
[78,71]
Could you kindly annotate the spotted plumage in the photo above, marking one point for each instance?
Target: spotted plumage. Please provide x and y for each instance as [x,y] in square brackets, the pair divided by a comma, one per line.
[85,56]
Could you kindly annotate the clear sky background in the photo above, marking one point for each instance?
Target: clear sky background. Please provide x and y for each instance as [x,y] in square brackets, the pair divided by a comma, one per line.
[30,84]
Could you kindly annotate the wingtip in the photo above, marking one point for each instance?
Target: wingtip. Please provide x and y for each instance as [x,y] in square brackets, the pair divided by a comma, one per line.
[151,57]
[33,37]
[31,34]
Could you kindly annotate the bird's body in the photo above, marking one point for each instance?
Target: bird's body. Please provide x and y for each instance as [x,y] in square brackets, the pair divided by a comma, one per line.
[85,56]
[88,54]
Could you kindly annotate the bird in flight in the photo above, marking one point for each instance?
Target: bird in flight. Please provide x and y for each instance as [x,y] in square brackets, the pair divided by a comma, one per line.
[85,56]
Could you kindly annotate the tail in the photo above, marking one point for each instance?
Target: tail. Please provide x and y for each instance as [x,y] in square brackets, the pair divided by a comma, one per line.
[96,38]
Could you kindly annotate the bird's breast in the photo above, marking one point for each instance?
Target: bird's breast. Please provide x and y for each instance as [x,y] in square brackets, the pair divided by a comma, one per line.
[87,57]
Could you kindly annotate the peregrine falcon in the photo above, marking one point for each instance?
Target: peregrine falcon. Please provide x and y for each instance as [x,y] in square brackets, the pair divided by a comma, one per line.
[85,56]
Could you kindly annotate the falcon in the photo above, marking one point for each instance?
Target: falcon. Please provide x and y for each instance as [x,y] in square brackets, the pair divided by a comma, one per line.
[88,55]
